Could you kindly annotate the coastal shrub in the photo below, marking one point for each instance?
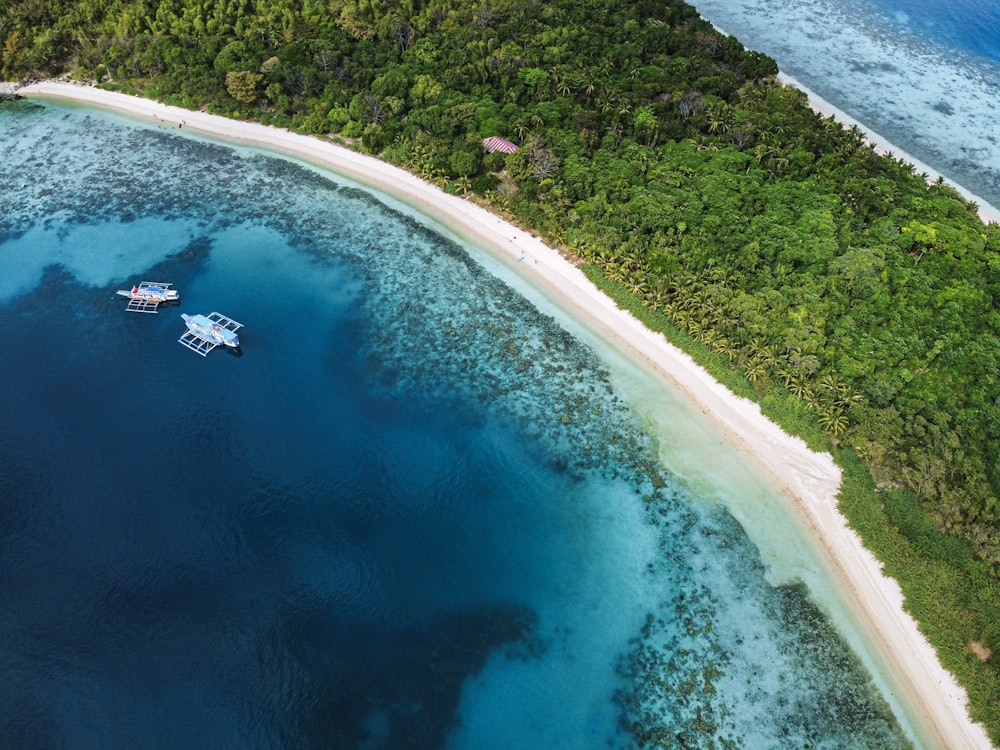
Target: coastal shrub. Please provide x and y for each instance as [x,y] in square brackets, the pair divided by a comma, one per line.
[337,118]
[353,129]
[315,123]
[242,85]
[485,183]
[373,138]
[463,163]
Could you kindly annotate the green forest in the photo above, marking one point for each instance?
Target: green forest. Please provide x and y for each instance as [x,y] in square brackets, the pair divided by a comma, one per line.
[851,297]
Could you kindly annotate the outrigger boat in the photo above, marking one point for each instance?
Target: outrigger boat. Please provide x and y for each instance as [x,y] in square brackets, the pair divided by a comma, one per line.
[205,332]
[148,295]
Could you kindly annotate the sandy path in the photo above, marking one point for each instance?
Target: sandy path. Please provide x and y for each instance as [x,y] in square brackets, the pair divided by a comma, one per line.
[936,705]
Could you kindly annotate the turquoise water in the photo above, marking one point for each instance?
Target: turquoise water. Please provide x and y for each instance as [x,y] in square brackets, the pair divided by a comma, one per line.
[414,512]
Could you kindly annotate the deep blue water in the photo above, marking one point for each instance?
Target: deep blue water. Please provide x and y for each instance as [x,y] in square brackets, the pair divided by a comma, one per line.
[412,513]
[969,25]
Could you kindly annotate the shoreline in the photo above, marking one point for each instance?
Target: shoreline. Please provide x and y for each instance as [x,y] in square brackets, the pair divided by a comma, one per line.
[933,702]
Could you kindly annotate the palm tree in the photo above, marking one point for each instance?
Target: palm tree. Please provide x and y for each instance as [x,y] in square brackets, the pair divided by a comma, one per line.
[795,382]
[637,286]
[716,120]
[846,400]
[804,392]
[655,300]
[682,284]
[756,346]
[725,346]
[614,131]
[833,420]
[754,370]
[829,384]
[616,272]
[709,336]
[585,250]
[624,107]
[749,95]
[767,357]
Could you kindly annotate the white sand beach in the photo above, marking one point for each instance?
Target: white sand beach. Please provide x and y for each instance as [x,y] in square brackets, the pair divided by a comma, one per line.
[935,704]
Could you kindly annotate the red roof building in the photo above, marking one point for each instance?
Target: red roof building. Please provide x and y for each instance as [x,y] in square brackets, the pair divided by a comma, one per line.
[499,144]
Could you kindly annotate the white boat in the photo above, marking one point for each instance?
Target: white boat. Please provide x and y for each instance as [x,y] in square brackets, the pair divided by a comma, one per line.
[147,295]
[205,332]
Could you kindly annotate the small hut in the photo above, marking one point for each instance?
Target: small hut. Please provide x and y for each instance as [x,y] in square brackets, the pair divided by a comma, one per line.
[498,144]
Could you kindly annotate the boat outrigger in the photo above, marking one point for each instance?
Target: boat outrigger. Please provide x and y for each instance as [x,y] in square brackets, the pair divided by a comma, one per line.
[145,297]
[205,332]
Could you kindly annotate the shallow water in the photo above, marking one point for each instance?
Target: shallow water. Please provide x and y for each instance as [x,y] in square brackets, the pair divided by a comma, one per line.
[414,512]
[923,75]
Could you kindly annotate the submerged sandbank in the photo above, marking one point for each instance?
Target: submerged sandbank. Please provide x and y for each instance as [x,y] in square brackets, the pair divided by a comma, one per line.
[933,703]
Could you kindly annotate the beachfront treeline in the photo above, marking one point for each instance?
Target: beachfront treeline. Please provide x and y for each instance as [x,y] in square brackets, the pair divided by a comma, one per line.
[854,300]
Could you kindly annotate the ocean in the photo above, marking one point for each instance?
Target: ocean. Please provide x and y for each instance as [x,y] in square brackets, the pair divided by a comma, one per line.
[415,510]
[924,76]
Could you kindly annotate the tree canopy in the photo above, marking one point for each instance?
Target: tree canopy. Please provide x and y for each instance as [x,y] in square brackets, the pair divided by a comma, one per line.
[854,299]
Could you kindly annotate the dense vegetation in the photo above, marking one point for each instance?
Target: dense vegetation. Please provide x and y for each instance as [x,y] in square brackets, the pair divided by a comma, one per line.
[856,301]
